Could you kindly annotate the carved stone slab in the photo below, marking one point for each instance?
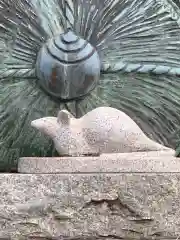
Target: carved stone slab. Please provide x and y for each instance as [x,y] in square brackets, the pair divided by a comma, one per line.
[92,198]
[82,206]
[155,161]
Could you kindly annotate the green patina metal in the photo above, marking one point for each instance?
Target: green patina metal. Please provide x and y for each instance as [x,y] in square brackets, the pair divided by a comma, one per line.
[138,42]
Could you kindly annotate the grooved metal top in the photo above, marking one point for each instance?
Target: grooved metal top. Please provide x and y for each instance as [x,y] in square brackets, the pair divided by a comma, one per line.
[68,67]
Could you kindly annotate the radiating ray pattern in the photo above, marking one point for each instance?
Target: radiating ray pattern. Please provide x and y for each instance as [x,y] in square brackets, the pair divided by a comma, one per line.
[139,45]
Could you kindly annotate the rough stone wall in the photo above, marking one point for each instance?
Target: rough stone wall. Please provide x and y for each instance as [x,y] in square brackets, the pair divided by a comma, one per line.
[90,206]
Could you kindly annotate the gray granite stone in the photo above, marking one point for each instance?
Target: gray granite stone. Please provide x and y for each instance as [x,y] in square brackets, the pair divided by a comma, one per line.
[155,161]
[90,206]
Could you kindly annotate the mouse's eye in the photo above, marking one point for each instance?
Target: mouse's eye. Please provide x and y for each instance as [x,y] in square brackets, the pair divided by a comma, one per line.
[68,67]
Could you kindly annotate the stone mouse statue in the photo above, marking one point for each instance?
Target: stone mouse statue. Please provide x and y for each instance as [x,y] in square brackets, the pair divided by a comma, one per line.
[102,130]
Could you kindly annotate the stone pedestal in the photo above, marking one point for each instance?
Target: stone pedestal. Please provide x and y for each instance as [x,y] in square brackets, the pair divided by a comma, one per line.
[120,196]
[158,161]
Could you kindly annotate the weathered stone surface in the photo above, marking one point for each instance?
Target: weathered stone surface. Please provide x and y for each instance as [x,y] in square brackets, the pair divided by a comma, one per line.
[80,206]
[155,161]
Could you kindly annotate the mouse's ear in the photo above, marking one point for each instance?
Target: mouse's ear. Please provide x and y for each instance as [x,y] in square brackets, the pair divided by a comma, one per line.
[64,117]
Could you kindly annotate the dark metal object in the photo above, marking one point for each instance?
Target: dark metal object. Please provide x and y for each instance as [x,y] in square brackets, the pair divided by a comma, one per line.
[68,67]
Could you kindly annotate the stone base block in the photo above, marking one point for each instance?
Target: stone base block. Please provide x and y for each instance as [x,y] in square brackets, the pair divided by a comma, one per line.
[158,161]
[128,206]
[92,198]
